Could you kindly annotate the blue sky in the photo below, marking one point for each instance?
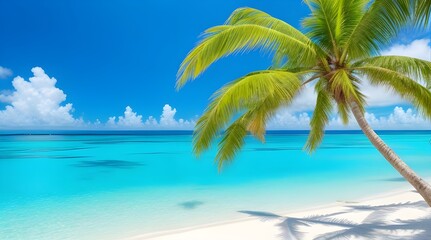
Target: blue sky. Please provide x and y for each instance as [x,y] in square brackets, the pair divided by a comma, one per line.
[106,55]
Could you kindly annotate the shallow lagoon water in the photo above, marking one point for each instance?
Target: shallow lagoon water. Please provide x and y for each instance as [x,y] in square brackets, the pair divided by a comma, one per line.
[115,186]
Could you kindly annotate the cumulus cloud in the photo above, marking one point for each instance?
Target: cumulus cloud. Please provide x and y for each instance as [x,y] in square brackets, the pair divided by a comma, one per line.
[36,103]
[418,49]
[167,119]
[131,120]
[399,119]
[304,101]
[168,116]
[5,72]
[285,119]
[380,96]
[151,121]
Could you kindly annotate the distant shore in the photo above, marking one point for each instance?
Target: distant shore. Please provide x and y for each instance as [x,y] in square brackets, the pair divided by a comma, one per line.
[401,213]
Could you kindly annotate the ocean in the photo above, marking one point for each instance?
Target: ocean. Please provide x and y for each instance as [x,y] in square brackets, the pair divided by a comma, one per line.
[84,185]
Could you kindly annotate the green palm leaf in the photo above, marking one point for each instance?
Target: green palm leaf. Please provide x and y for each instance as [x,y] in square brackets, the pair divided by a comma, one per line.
[225,40]
[323,23]
[332,22]
[343,111]
[257,17]
[320,119]
[406,87]
[241,95]
[411,67]
[378,25]
[231,142]
[253,120]
[422,12]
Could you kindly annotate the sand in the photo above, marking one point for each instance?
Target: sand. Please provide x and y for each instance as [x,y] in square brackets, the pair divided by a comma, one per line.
[397,215]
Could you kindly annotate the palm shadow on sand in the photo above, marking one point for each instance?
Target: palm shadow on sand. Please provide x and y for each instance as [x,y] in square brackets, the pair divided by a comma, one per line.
[374,226]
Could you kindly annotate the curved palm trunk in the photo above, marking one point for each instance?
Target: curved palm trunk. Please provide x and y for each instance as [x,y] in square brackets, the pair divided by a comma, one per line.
[418,183]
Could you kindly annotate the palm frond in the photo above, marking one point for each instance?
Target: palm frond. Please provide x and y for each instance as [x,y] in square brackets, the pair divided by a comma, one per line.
[224,40]
[253,120]
[322,23]
[332,22]
[260,114]
[231,142]
[343,111]
[411,67]
[381,22]
[241,95]
[422,12]
[406,87]
[320,118]
[257,17]
[260,18]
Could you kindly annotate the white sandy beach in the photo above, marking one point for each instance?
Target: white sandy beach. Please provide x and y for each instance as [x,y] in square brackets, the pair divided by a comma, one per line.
[397,215]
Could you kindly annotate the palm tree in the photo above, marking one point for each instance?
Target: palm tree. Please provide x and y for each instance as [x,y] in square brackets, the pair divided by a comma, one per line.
[338,50]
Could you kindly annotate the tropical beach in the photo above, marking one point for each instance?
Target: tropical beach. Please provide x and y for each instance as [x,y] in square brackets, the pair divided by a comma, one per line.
[233,120]
[109,185]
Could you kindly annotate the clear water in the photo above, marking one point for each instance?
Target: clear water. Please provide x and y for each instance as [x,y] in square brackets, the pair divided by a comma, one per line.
[118,186]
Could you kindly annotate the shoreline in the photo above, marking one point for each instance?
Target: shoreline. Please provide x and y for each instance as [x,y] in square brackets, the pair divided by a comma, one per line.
[399,196]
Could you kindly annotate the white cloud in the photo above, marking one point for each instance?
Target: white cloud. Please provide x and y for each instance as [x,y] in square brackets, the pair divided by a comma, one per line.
[131,120]
[168,116]
[5,72]
[285,119]
[151,121]
[380,96]
[305,100]
[418,49]
[167,119]
[399,119]
[36,103]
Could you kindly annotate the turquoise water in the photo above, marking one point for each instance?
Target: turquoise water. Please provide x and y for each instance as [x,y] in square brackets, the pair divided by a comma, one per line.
[119,186]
